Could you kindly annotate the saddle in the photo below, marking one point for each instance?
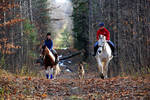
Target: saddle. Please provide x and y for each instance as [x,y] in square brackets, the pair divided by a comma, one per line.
[53,52]
[56,55]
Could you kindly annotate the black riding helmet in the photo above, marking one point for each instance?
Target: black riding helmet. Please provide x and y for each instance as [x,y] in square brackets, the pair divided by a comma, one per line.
[48,33]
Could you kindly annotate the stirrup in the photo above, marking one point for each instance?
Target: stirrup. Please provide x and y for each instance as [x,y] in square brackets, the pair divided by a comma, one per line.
[114,54]
[94,54]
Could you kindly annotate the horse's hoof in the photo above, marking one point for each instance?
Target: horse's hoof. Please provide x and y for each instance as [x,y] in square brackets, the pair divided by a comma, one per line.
[51,77]
[102,76]
[47,76]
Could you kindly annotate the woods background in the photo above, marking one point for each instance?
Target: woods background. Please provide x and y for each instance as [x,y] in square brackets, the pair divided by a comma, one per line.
[24,23]
[129,25]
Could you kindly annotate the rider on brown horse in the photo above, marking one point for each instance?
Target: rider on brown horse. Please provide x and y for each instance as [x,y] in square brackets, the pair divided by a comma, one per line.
[49,44]
[49,58]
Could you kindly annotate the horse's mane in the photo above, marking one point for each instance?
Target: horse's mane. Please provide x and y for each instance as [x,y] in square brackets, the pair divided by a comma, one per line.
[43,47]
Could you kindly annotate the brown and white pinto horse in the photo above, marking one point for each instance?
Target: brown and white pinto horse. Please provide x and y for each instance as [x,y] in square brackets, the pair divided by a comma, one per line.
[49,63]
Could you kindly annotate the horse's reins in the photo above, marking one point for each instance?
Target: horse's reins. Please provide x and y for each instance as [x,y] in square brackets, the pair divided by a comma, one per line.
[103,46]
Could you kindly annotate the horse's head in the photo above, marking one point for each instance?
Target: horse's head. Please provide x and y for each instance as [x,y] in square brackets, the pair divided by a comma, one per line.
[102,40]
[101,43]
[44,50]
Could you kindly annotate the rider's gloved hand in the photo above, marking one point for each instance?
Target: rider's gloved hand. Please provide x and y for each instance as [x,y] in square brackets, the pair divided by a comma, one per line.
[108,40]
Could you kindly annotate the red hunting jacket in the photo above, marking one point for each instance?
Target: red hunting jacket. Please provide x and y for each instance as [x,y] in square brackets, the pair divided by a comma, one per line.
[104,32]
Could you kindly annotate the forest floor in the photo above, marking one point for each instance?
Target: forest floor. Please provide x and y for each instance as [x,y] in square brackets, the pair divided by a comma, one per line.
[14,87]
[67,86]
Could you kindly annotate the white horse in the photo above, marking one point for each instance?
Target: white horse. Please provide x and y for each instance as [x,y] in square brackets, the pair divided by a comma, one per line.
[103,56]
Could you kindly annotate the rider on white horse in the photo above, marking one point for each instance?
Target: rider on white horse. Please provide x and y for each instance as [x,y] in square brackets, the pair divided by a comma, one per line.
[103,31]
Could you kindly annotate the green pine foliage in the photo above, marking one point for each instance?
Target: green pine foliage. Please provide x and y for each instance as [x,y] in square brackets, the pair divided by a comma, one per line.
[30,31]
[80,22]
[66,39]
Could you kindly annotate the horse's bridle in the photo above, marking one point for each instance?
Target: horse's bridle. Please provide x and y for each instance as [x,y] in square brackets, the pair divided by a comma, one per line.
[42,52]
[103,46]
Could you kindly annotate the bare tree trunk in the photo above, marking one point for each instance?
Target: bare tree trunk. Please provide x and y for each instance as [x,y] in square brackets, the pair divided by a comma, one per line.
[91,44]
[21,33]
[30,10]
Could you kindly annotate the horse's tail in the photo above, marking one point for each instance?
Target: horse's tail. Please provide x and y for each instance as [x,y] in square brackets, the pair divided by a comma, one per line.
[111,57]
[57,71]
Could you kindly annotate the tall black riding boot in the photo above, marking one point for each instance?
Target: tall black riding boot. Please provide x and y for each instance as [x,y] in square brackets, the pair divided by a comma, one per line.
[95,50]
[56,58]
[113,52]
